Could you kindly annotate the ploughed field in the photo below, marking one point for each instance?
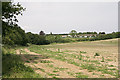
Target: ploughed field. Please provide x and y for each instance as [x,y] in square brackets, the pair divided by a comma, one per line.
[90,59]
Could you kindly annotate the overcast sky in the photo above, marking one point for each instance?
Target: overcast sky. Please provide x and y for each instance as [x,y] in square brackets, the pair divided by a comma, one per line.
[62,17]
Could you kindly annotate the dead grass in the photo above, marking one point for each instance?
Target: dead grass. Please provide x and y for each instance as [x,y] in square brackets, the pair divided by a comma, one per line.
[76,59]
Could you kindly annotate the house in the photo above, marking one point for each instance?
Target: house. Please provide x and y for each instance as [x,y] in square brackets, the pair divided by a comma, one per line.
[86,35]
[80,35]
[64,36]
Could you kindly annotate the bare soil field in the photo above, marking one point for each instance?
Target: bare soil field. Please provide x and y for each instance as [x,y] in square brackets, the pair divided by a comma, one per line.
[90,59]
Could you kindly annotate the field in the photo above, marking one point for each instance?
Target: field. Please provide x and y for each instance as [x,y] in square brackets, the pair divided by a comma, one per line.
[88,59]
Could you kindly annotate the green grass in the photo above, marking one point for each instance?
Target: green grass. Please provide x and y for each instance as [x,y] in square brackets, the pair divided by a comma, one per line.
[55,71]
[80,75]
[89,64]
[16,68]
[109,59]
[60,69]
[95,61]
[83,52]
[111,65]
[90,67]
[103,60]
[50,65]
[45,61]
[41,69]
[27,61]
[35,62]
[70,73]
[52,74]
[13,66]
[80,57]
[94,74]
[22,51]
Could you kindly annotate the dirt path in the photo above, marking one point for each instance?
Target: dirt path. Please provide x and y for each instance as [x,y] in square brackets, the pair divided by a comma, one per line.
[50,68]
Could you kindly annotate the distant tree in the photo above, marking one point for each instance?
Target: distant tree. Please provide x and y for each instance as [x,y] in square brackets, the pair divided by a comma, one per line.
[101,32]
[36,39]
[50,33]
[41,33]
[84,32]
[51,38]
[88,32]
[79,33]
[73,33]
[94,32]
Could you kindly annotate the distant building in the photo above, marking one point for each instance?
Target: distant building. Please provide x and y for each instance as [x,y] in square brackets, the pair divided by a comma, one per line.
[87,35]
[64,36]
[80,35]
[76,36]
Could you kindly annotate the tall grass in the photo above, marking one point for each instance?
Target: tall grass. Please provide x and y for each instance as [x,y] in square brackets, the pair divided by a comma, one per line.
[13,66]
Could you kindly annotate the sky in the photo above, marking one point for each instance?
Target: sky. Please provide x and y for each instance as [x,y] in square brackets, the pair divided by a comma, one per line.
[62,17]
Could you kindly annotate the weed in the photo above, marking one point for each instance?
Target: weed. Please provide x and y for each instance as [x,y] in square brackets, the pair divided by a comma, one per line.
[95,61]
[41,69]
[111,65]
[30,59]
[36,57]
[88,66]
[45,61]
[52,74]
[83,52]
[50,65]
[80,57]
[102,59]
[113,69]
[61,69]
[94,74]
[58,50]
[102,75]
[70,73]
[80,75]
[96,54]
[27,61]
[35,62]
[87,57]
[109,59]
[55,71]
[54,77]
[89,70]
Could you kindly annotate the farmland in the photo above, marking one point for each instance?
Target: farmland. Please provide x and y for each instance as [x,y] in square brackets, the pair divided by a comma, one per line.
[88,59]
[41,46]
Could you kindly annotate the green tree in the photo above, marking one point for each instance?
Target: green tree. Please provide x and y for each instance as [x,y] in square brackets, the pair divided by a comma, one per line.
[13,35]
[51,33]
[101,32]
[10,11]
[11,32]
[73,33]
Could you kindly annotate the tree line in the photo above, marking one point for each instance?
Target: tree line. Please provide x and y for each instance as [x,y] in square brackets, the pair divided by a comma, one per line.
[12,34]
[102,37]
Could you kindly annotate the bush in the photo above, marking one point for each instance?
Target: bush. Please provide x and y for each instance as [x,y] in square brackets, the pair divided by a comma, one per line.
[13,66]
[83,39]
[12,35]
